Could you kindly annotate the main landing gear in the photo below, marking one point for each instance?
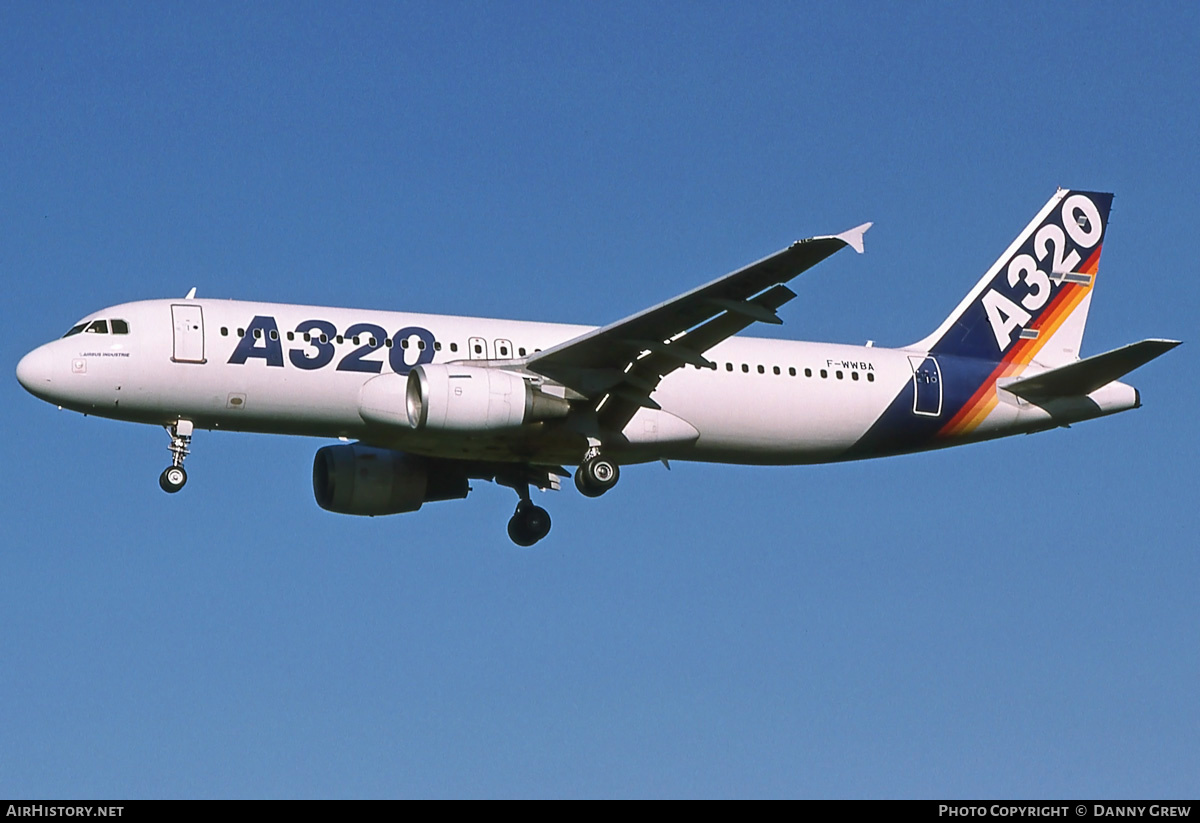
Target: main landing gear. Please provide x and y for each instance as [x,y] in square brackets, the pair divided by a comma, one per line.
[596,474]
[529,524]
[173,476]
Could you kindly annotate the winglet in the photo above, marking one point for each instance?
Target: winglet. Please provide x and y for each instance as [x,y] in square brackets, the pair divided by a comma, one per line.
[854,237]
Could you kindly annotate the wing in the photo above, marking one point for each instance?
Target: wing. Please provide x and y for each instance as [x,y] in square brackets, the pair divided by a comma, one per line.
[620,365]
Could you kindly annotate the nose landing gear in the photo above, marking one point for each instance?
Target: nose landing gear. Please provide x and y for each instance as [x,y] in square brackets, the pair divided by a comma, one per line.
[174,477]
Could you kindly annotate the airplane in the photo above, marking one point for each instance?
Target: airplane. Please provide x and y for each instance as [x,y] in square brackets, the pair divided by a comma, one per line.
[434,402]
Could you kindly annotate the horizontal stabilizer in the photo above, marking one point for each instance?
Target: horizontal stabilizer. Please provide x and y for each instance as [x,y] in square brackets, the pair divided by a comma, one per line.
[1085,376]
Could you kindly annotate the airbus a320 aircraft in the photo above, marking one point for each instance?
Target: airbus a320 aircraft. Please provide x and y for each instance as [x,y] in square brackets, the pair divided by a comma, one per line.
[435,402]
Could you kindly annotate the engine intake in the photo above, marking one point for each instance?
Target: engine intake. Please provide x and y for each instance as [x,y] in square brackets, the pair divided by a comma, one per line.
[362,480]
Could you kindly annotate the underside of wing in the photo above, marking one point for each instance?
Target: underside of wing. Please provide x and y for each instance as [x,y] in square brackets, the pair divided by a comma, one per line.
[619,366]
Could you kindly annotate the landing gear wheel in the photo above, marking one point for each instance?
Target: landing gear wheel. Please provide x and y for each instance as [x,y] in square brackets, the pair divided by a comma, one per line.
[173,476]
[529,524]
[596,475]
[172,479]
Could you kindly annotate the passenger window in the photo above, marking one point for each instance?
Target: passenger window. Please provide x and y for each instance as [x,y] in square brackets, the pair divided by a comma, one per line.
[808,372]
[792,371]
[120,327]
[745,368]
[421,345]
[241,332]
[521,351]
[728,367]
[224,331]
[404,343]
[839,374]
[853,375]
[478,349]
[870,377]
[354,340]
[438,346]
[291,335]
[258,334]
[761,370]
[453,347]
[824,373]
[387,342]
[274,334]
[97,327]
[339,338]
[777,370]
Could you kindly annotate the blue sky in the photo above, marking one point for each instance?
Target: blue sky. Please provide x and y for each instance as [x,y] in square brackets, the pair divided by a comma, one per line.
[1011,619]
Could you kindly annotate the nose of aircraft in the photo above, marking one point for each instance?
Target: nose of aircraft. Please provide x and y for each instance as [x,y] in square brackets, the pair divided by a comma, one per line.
[34,372]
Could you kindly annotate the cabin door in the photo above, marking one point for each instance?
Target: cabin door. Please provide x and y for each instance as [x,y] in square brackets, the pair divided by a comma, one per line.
[927,386]
[188,321]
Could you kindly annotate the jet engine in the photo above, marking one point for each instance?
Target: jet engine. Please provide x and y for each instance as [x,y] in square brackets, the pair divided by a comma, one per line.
[361,480]
[470,398]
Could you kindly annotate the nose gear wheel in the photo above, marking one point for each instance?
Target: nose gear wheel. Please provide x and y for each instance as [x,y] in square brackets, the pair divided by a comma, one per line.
[174,477]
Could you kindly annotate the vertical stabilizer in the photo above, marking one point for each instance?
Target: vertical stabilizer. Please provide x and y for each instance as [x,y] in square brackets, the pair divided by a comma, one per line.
[1032,304]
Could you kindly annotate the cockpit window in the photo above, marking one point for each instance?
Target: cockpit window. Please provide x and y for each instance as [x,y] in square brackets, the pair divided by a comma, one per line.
[99,327]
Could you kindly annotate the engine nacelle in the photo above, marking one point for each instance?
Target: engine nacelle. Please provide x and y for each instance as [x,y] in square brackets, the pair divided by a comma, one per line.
[470,398]
[358,479]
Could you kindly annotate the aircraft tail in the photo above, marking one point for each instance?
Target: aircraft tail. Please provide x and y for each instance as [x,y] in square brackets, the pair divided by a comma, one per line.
[1032,304]
[1085,376]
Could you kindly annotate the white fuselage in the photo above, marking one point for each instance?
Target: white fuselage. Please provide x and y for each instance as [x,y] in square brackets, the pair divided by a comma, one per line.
[248,368]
